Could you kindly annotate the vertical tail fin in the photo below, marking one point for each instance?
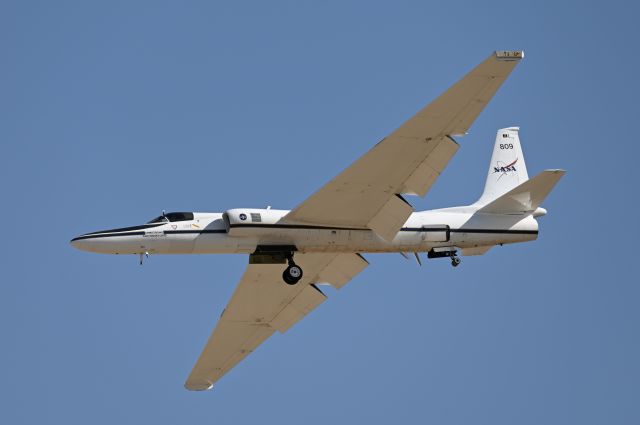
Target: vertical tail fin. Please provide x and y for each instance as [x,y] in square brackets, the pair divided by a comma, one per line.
[507,168]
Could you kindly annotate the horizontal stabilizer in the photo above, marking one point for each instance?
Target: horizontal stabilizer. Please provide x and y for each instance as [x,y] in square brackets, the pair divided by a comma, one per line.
[526,197]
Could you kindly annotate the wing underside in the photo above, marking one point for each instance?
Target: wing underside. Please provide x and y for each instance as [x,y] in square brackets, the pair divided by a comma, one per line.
[263,304]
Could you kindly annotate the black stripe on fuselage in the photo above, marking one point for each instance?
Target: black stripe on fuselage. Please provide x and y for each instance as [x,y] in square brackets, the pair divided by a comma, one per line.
[166,232]
[299,227]
[126,229]
[105,235]
[404,229]
[463,230]
[292,226]
[188,232]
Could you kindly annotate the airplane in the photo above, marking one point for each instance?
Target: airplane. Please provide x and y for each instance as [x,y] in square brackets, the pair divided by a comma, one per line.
[362,210]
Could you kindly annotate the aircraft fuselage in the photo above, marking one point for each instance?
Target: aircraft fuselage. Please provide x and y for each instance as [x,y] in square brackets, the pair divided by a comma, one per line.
[243,230]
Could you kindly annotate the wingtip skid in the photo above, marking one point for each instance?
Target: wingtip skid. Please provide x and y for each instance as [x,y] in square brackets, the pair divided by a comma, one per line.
[510,55]
[198,385]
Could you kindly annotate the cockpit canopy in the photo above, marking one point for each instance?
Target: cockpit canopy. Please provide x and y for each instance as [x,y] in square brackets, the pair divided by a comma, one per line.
[173,216]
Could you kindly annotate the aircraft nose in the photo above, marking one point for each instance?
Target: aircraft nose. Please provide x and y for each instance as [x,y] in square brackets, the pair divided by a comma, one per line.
[80,243]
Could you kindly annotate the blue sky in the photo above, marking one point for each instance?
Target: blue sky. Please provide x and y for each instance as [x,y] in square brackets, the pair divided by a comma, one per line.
[113,111]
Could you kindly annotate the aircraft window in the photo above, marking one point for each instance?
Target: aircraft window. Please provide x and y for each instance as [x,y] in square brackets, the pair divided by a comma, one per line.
[173,216]
[161,219]
[179,216]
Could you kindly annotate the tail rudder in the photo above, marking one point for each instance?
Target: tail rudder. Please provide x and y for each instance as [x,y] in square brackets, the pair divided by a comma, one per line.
[507,168]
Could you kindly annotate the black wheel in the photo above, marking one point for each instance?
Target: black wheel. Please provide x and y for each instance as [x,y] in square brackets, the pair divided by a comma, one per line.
[455,261]
[292,275]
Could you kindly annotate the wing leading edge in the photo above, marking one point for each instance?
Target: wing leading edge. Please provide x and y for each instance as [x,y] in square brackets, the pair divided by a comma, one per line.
[263,304]
[368,193]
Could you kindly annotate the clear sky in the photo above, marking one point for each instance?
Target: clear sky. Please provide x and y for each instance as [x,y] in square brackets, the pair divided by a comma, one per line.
[112,111]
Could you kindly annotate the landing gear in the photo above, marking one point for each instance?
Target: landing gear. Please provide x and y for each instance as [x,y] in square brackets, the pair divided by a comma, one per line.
[293,273]
[446,252]
[278,254]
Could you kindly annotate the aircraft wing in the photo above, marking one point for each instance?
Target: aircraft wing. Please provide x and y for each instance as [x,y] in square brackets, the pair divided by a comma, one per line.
[263,304]
[367,194]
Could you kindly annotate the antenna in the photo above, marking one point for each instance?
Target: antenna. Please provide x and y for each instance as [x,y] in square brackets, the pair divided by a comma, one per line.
[142,255]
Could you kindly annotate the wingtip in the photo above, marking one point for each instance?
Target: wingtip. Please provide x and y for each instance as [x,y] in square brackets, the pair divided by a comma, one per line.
[198,385]
[557,171]
[509,55]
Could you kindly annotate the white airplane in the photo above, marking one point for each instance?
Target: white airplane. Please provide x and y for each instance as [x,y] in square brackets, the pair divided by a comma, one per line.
[361,210]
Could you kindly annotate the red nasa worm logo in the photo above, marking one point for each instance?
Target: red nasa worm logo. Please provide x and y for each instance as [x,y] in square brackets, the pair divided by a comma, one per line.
[505,168]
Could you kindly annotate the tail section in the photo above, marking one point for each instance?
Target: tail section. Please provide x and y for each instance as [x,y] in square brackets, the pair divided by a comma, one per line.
[508,189]
[526,197]
[507,168]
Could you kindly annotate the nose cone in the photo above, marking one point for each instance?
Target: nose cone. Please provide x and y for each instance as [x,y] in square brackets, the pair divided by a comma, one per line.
[80,243]
[126,240]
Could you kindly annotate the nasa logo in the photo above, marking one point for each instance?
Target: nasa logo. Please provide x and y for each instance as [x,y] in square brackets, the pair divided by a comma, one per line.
[243,217]
[505,168]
